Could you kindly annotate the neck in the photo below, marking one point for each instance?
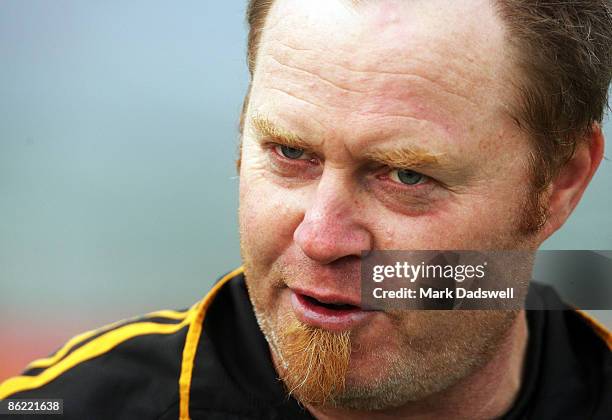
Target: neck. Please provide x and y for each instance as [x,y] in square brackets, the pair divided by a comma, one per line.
[487,393]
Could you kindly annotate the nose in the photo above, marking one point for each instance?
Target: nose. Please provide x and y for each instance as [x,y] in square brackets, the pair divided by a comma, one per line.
[331,229]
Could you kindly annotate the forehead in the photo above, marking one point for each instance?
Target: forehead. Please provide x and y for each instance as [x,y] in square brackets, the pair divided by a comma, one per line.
[379,33]
[439,65]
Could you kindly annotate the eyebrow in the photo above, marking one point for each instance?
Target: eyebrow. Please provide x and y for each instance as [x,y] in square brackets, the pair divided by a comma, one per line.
[406,157]
[266,128]
[403,157]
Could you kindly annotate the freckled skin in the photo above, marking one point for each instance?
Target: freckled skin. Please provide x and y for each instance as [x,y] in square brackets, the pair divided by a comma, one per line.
[428,73]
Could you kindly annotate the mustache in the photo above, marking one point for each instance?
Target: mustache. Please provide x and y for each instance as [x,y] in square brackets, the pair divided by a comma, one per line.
[346,271]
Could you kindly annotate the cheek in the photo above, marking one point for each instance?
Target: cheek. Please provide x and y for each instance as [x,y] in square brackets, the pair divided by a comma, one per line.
[268,217]
[469,222]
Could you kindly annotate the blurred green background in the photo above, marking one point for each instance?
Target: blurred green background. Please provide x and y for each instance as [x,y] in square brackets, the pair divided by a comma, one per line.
[118,135]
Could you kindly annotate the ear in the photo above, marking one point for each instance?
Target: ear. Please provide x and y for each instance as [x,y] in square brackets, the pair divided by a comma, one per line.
[569,185]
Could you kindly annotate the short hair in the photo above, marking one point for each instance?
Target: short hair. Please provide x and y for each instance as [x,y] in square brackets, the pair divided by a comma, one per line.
[562,49]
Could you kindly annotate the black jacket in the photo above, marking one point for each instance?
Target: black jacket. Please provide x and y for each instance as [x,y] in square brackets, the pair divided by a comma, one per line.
[212,362]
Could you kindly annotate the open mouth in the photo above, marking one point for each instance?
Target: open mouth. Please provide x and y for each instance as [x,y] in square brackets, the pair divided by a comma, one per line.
[329,306]
[333,314]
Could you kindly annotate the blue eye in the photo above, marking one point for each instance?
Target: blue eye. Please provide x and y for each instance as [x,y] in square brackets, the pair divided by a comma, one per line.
[407,177]
[291,152]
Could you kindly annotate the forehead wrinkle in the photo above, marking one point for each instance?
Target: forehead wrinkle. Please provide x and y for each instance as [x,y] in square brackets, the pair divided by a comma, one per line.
[297,97]
[356,113]
[325,80]
[292,57]
[402,105]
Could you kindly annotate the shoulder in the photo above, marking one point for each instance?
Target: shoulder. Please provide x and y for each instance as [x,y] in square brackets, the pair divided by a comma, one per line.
[584,366]
[95,372]
[135,368]
[571,359]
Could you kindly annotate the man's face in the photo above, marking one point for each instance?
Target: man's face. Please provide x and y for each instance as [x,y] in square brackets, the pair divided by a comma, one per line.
[377,126]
